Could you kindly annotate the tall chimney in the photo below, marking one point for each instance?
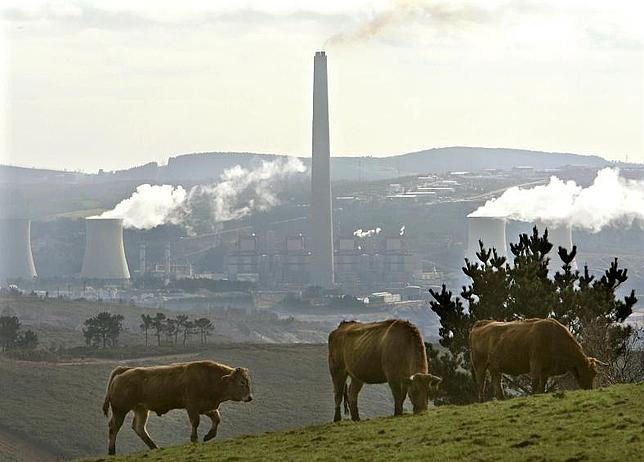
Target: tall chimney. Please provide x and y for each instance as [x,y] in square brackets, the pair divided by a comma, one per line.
[16,260]
[322,219]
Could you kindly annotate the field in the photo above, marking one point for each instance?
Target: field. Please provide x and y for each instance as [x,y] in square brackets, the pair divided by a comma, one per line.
[57,406]
[602,425]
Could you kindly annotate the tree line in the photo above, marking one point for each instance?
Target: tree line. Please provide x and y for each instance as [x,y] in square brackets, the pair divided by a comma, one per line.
[174,330]
[12,337]
[587,304]
[104,329]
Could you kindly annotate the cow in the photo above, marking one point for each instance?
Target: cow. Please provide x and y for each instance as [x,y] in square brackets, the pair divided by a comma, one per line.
[539,347]
[198,387]
[390,352]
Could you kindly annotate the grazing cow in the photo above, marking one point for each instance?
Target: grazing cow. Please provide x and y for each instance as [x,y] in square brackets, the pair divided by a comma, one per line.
[198,387]
[377,352]
[539,347]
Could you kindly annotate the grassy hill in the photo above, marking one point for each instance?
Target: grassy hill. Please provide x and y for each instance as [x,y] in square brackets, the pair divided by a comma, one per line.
[605,424]
[57,406]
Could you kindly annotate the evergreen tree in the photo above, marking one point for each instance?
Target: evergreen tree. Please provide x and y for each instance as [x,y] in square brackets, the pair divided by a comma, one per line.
[498,290]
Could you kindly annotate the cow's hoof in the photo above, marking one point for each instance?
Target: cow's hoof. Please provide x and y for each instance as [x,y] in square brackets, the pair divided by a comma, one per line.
[208,436]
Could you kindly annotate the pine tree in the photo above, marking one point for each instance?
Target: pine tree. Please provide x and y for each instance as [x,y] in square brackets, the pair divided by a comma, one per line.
[498,290]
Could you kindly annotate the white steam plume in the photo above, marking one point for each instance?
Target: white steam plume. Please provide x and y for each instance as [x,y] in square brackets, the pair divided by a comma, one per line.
[402,230]
[149,206]
[240,192]
[369,233]
[610,200]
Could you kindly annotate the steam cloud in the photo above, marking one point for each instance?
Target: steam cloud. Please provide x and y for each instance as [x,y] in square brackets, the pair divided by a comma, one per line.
[440,12]
[369,233]
[239,193]
[402,230]
[610,200]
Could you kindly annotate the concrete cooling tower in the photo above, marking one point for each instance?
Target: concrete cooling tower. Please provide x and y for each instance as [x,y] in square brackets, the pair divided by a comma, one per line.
[489,230]
[104,252]
[16,260]
[559,236]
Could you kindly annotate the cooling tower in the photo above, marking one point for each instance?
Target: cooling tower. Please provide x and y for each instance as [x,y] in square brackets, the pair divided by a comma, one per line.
[489,230]
[16,260]
[104,253]
[322,220]
[559,236]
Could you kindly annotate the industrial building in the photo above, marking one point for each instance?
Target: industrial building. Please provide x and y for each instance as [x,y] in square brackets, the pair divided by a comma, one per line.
[375,261]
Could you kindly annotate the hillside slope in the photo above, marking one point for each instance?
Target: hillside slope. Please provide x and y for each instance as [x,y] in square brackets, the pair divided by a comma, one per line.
[207,166]
[604,424]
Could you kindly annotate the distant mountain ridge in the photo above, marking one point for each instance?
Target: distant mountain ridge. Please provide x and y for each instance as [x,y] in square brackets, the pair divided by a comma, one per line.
[208,166]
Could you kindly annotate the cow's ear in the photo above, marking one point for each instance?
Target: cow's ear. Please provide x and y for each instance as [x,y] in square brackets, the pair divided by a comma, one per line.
[434,380]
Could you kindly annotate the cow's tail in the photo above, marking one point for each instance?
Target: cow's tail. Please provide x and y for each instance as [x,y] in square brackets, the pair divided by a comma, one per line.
[345,396]
[115,372]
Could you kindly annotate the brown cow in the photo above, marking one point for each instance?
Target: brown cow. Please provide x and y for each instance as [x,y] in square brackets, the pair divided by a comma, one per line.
[539,347]
[199,387]
[377,352]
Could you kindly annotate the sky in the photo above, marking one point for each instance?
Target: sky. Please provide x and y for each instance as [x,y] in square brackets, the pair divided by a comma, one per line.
[118,83]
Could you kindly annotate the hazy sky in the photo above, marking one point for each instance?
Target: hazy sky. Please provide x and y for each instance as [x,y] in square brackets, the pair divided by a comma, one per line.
[116,83]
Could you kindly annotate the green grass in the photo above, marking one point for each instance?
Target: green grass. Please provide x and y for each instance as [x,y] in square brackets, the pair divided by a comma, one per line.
[57,406]
[603,425]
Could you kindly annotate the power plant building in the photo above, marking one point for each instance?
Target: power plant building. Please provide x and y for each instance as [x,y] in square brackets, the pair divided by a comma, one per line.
[322,269]
[104,252]
[16,259]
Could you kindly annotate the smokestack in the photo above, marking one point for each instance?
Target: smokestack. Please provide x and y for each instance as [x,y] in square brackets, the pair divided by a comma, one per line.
[322,219]
[16,260]
[489,230]
[104,253]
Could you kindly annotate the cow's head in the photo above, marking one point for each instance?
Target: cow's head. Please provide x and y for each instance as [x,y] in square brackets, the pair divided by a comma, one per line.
[587,371]
[420,386]
[238,382]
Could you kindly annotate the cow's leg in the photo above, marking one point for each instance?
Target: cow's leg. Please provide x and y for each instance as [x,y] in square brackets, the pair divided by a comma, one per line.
[216,418]
[193,415]
[114,425]
[497,385]
[399,397]
[138,425]
[339,378]
[479,379]
[538,378]
[354,390]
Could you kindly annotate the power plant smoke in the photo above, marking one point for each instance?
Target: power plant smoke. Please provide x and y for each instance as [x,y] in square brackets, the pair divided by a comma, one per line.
[611,200]
[438,12]
[369,233]
[239,192]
